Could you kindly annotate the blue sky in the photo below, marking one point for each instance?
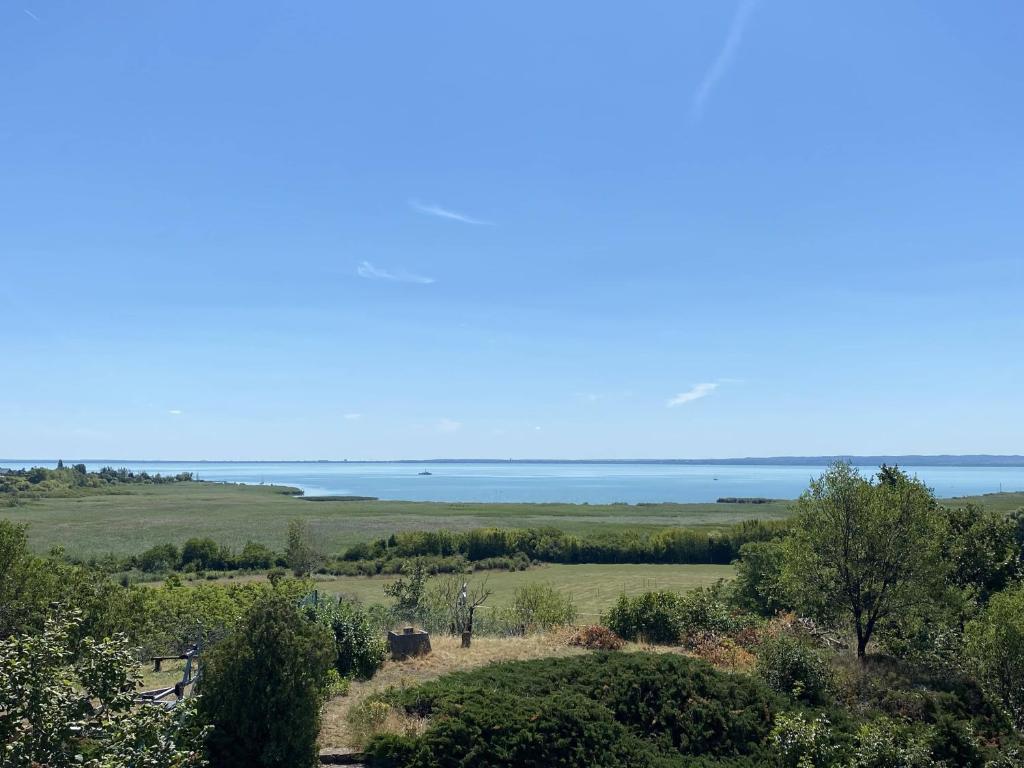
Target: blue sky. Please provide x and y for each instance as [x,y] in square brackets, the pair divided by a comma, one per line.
[678,229]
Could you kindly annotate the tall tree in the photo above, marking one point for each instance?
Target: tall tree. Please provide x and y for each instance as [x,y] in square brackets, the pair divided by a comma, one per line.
[866,550]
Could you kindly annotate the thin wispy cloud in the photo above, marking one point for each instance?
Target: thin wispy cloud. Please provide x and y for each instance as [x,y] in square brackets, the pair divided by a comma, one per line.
[725,57]
[433,209]
[352,416]
[370,272]
[31,15]
[175,412]
[448,425]
[696,392]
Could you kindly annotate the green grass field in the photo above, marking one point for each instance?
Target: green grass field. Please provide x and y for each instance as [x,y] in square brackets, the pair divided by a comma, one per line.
[593,587]
[137,517]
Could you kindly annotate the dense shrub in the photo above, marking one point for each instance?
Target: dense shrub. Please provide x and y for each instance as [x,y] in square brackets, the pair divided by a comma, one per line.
[671,545]
[995,650]
[652,617]
[65,703]
[790,665]
[162,557]
[359,646]
[703,611]
[263,685]
[201,554]
[758,585]
[538,607]
[598,709]
[255,556]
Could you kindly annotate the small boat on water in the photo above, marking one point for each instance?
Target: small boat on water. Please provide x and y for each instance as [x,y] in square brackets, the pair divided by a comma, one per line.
[424,472]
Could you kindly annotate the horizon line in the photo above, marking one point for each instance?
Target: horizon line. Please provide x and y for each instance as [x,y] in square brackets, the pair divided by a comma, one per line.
[816,459]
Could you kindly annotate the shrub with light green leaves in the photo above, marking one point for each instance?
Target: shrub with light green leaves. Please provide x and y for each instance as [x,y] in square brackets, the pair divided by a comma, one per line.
[995,651]
[359,646]
[653,617]
[62,705]
[537,607]
[792,666]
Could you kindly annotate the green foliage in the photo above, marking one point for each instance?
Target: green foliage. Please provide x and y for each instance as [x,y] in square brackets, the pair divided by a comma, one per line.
[802,741]
[995,651]
[864,551]
[301,554]
[162,557]
[201,554]
[791,666]
[255,556]
[29,584]
[600,709]
[66,704]
[172,617]
[758,586]
[551,545]
[407,593]
[40,482]
[263,685]
[359,646]
[539,607]
[982,550]
[885,743]
[653,617]
[704,611]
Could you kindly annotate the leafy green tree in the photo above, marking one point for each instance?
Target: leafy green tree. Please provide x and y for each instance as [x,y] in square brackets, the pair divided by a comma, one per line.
[995,650]
[255,556]
[161,557]
[302,554]
[408,591]
[758,585]
[982,549]
[263,686]
[201,554]
[65,704]
[864,551]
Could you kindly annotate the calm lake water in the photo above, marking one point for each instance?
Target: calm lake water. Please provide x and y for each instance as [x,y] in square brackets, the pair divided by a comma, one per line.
[593,483]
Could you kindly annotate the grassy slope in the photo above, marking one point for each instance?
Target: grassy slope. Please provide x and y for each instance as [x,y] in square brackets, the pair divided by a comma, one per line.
[140,516]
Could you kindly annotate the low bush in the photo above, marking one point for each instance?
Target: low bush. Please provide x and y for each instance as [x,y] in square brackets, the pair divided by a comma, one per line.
[652,617]
[359,646]
[791,666]
[598,709]
[537,607]
[596,638]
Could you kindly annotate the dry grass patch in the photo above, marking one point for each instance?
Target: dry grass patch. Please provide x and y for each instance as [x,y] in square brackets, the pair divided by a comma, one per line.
[344,728]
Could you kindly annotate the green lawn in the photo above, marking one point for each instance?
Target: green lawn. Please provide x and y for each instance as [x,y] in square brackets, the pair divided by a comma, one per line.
[593,587]
[139,516]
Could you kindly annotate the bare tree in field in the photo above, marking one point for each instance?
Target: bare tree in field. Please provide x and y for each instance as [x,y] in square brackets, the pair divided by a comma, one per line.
[461,600]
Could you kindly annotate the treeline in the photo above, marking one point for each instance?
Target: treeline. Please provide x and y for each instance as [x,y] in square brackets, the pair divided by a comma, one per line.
[446,551]
[551,545]
[39,482]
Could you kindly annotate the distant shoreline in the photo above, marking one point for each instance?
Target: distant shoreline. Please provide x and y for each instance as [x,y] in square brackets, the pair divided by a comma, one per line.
[912,460]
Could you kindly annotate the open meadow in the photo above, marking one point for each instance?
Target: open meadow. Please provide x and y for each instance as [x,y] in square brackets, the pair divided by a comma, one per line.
[593,587]
[140,516]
